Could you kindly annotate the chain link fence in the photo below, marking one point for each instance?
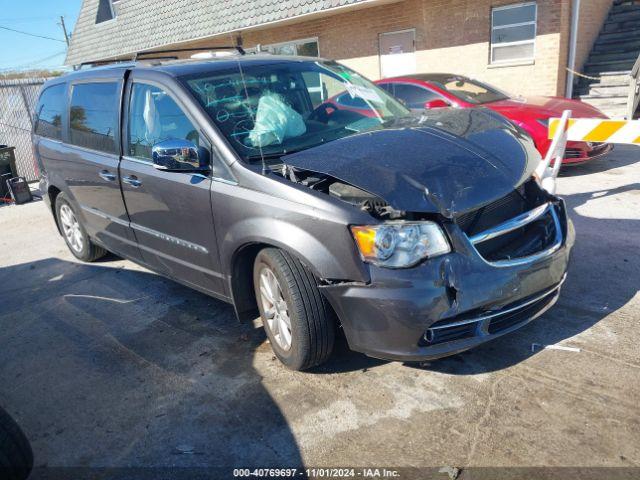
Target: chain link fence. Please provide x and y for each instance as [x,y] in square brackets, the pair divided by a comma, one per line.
[18,99]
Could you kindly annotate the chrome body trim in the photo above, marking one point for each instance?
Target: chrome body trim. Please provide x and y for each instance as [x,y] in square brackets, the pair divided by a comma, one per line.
[149,231]
[107,176]
[514,224]
[131,180]
[554,289]
[170,238]
[511,225]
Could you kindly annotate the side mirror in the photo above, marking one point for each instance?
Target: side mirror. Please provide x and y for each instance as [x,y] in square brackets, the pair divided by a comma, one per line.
[176,155]
[437,103]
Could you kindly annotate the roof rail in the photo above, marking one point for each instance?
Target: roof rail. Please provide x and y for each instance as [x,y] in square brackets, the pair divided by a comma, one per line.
[137,56]
[95,64]
[160,57]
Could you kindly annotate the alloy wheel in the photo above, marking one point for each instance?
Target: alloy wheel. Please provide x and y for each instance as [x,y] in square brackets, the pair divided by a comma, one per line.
[275,309]
[71,229]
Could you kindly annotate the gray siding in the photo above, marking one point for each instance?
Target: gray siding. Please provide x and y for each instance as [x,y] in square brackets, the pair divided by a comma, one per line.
[146,24]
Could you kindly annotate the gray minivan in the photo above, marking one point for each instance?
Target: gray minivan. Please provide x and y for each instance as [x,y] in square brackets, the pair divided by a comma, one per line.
[419,236]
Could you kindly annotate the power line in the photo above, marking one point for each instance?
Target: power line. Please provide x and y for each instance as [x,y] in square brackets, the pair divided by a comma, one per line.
[42,60]
[51,16]
[31,34]
[27,19]
[31,64]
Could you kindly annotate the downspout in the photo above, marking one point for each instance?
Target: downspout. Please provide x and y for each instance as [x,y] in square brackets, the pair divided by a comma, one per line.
[573,41]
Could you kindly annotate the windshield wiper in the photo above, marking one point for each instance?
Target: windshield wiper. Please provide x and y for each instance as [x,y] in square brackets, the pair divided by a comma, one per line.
[271,155]
[264,156]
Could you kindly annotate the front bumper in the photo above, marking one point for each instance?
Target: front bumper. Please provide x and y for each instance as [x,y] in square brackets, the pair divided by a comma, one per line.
[450,303]
[580,152]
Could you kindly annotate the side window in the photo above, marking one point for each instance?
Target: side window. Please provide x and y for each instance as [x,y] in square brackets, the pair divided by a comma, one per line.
[48,120]
[388,87]
[93,116]
[414,96]
[155,117]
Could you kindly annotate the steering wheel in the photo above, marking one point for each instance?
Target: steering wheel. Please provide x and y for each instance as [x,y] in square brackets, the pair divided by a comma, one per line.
[323,112]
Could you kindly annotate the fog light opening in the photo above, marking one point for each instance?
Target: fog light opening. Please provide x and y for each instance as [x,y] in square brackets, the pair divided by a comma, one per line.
[428,336]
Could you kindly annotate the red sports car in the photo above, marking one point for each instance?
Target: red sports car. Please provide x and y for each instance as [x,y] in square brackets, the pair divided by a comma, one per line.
[437,90]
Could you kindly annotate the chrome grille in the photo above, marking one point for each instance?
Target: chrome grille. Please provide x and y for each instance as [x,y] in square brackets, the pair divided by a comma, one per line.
[573,153]
[525,238]
[502,209]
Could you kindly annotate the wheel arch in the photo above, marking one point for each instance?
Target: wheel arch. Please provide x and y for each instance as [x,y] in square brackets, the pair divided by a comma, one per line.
[241,280]
[52,193]
[241,275]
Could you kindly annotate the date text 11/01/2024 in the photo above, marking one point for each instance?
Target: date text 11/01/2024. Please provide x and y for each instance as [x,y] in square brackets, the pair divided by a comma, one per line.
[316,472]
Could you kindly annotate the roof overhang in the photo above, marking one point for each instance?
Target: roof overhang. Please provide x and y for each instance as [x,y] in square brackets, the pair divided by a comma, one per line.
[129,53]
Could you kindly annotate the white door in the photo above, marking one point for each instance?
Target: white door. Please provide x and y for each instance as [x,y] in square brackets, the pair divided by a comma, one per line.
[397,53]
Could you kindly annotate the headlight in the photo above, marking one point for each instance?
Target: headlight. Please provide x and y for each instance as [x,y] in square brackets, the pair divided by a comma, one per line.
[399,244]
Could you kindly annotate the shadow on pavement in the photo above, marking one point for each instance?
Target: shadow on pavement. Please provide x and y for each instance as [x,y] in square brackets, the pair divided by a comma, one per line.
[16,457]
[344,360]
[113,367]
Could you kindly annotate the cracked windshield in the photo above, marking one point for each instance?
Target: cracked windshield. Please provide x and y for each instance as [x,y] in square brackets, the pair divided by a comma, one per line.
[266,111]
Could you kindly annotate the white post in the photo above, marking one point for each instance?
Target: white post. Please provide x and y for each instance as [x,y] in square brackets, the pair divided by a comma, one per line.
[545,172]
[573,39]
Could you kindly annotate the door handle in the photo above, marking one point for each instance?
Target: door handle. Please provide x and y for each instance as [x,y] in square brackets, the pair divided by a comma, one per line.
[107,175]
[132,180]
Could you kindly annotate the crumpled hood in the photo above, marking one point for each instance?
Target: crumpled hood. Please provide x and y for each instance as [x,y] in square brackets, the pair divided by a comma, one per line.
[451,162]
[545,107]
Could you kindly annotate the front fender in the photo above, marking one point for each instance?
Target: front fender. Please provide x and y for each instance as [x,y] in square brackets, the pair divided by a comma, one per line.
[333,258]
[313,229]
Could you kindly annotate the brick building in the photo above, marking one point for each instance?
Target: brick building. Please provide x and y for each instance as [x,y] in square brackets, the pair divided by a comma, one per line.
[522,47]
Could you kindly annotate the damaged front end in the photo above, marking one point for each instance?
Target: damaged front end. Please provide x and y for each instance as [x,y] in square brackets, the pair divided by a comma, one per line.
[357,197]
[507,263]
[497,245]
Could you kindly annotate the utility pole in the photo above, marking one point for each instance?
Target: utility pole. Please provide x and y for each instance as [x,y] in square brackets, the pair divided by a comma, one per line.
[66,35]
[64,30]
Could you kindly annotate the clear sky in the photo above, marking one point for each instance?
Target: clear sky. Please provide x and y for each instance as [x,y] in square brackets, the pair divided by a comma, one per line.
[39,17]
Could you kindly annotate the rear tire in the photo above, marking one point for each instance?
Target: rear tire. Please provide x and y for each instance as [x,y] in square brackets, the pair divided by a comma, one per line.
[16,456]
[307,338]
[74,233]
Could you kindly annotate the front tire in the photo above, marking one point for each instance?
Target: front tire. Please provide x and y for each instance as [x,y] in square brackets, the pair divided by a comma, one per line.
[298,320]
[74,233]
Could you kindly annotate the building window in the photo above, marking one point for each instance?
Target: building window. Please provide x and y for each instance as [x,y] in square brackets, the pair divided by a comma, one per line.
[106,10]
[307,47]
[513,33]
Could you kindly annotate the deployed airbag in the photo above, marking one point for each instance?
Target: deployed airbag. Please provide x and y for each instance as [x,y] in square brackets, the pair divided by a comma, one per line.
[275,122]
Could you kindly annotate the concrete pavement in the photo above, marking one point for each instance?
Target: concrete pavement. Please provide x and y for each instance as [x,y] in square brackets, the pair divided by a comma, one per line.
[108,364]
